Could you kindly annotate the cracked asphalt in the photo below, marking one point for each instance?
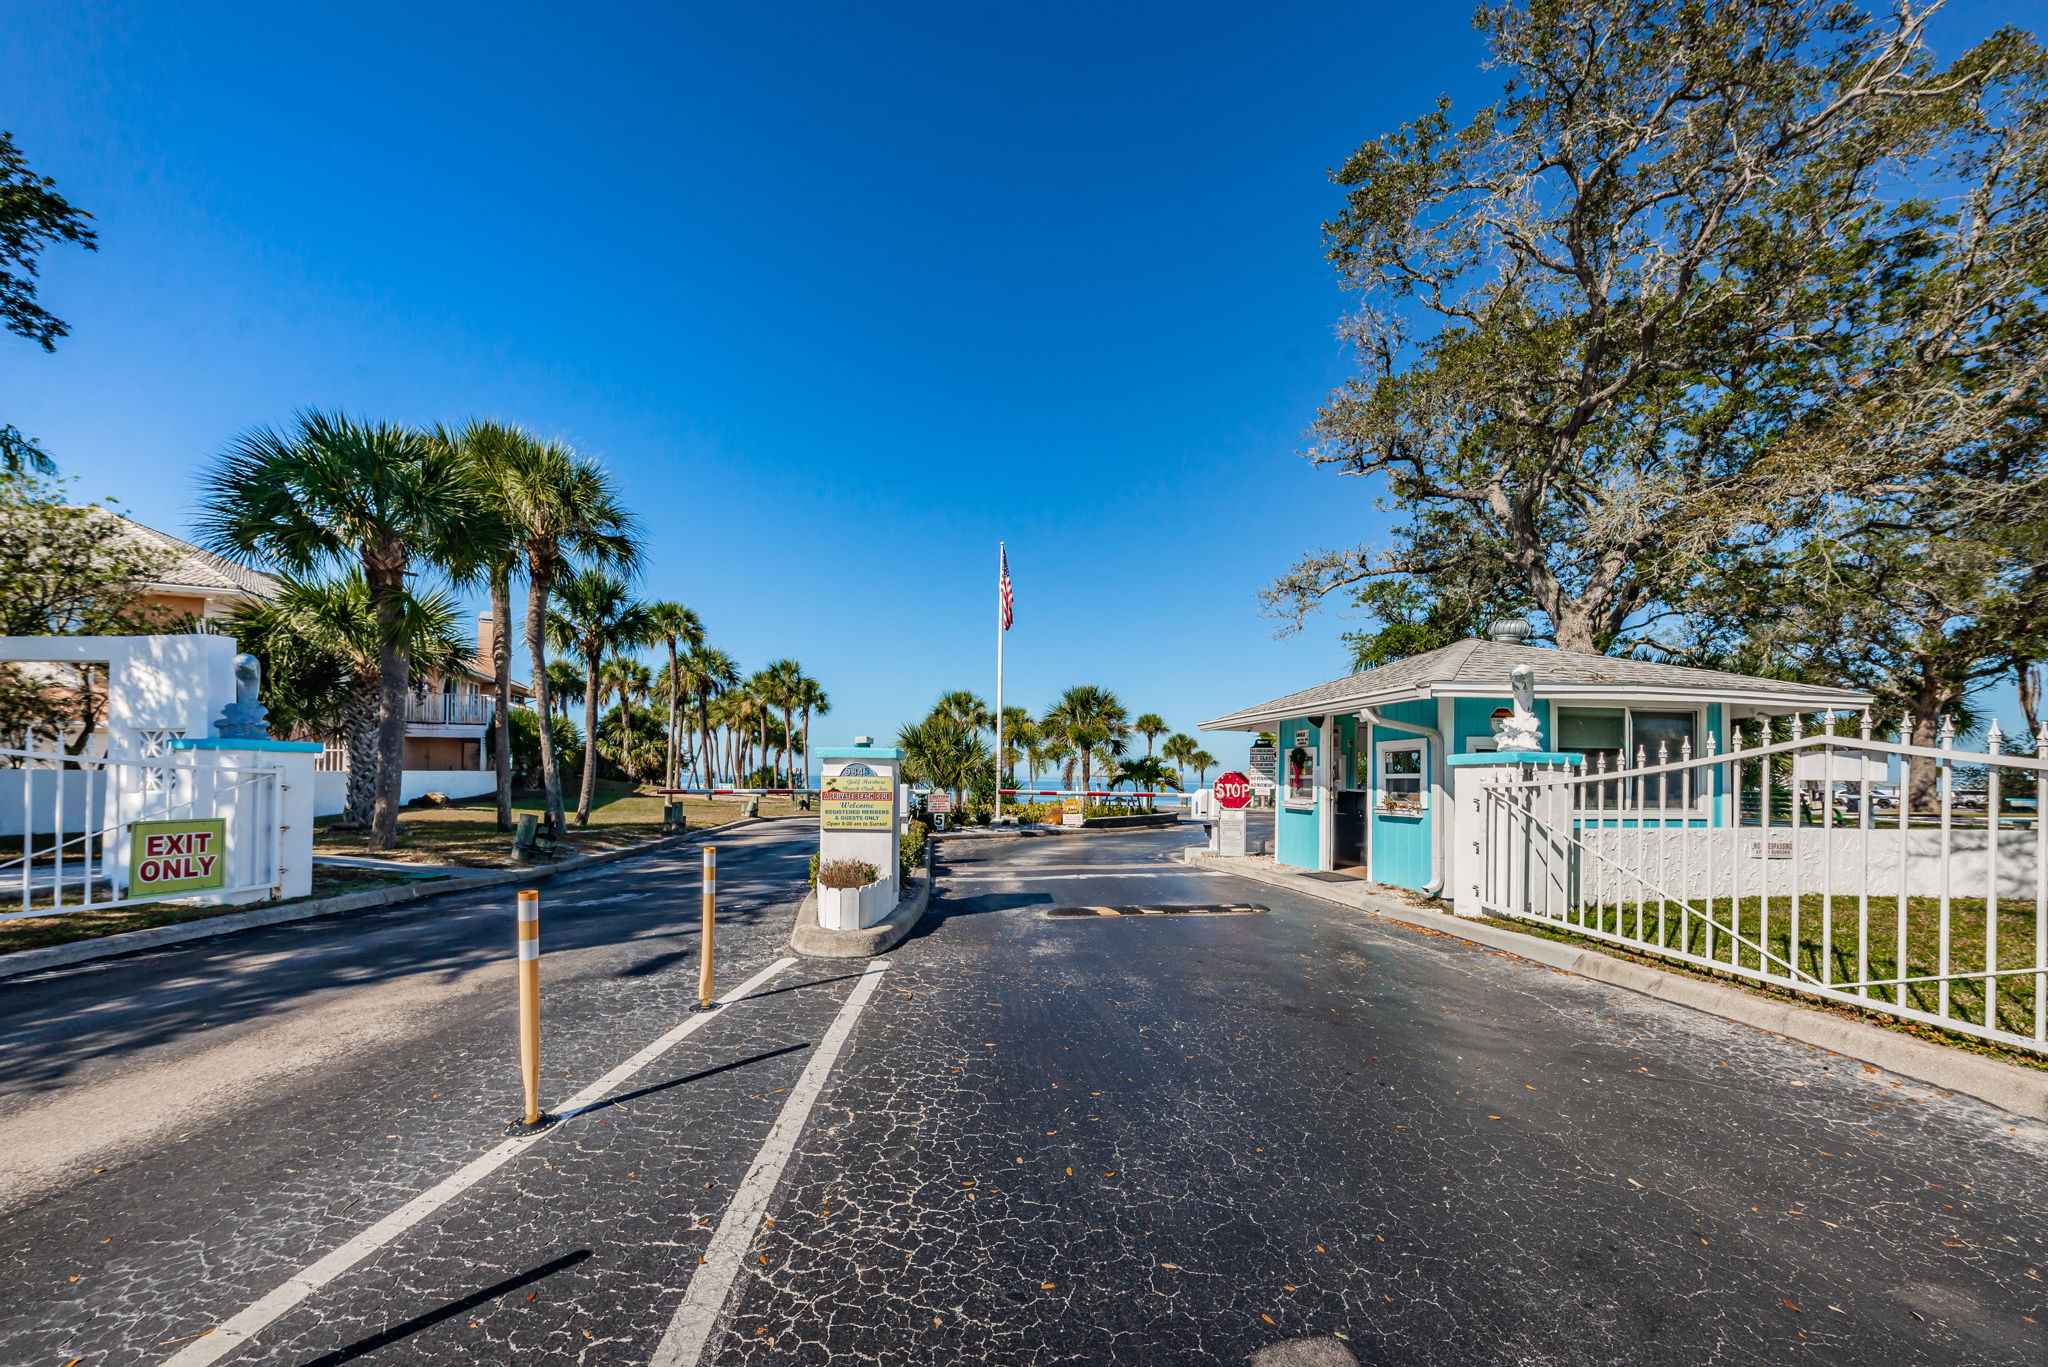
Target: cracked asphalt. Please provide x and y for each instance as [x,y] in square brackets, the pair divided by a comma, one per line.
[1300,1135]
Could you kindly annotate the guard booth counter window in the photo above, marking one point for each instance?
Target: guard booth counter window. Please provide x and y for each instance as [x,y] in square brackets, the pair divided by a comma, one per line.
[1404,790]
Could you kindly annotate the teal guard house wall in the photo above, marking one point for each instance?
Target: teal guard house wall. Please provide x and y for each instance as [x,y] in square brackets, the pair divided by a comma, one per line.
[1295,840]
[1403,846]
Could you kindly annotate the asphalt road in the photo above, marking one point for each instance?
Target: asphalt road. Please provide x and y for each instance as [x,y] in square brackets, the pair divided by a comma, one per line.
[1295,1135]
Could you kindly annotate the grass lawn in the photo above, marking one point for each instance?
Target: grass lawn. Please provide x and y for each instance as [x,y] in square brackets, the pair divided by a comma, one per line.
[1835,944]
[467,832]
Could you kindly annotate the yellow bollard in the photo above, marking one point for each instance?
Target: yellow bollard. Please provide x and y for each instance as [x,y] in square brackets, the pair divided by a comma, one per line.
[704,948]
[529,1003]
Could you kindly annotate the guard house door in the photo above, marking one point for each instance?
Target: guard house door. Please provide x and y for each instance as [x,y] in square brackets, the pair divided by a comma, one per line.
[1399,823]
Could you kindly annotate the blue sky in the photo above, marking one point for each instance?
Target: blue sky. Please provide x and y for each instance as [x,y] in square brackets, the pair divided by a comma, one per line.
[843,294]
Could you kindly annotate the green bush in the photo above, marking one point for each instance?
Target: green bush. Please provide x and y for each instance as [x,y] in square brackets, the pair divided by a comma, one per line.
[814,870]
[912,849]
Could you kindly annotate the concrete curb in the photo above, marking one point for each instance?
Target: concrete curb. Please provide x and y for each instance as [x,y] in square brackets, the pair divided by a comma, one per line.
[129,942]
[813,941]
[2010,1088]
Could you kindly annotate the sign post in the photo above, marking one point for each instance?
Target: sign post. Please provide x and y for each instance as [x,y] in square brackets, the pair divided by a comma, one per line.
[1073,811]
[1233,795]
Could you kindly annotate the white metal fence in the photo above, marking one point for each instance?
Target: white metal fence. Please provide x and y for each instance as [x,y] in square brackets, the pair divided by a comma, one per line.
[74,813]
[1803,863]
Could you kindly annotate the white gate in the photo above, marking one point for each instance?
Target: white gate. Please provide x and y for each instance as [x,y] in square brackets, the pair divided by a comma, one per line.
[1800,863]
[73,814]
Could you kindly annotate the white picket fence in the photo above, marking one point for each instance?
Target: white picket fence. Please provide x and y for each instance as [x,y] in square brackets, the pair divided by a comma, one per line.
[73,813]
[1779,862]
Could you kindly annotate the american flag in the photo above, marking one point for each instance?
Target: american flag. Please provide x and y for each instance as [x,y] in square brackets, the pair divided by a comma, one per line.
[1007,594]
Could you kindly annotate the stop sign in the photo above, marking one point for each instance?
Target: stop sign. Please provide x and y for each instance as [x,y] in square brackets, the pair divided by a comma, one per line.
[1233,790]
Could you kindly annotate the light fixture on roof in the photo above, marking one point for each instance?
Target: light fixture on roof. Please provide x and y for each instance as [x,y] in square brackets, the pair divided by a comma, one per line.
[1511,630]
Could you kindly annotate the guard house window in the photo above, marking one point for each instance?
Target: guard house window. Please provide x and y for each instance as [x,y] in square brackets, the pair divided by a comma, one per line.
[1611,738]
[1299,762]
[1404,788]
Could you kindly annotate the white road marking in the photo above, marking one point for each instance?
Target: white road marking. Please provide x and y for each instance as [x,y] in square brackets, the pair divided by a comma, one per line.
[690,1329]
[225,1338]
[1029,876]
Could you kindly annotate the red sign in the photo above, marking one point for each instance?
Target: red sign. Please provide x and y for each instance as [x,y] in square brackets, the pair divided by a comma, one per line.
[1233,790]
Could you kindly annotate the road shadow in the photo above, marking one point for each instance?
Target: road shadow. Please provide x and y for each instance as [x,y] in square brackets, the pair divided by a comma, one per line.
[384,1338]
[50,1025]
[652,1088]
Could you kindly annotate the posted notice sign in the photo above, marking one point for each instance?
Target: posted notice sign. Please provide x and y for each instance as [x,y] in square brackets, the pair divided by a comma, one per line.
[857,802]
[177,856]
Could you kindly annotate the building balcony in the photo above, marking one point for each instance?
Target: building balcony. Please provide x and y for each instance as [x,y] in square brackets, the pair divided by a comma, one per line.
[443,709]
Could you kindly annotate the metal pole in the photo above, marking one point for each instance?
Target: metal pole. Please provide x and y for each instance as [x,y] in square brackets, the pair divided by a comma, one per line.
[705,943]
[1000,560]
[529,1003]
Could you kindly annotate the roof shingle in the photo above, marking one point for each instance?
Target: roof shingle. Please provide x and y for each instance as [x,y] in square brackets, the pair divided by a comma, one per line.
[1486,663]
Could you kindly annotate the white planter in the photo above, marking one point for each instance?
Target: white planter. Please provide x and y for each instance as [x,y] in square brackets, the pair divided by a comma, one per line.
[855,908]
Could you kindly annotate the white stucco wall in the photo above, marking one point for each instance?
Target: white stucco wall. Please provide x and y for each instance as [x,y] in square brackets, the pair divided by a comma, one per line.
[332,786]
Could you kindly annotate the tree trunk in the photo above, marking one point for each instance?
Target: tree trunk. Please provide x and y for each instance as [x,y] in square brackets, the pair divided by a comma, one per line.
[359,734]
[539,582]
[805,786]
[1923,787]
[501,670]
[788,734]
[387,589]
[675,771]
[588,789]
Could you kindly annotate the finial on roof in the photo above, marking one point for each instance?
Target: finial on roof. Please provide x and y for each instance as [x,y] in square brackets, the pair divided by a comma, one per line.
[1511,630]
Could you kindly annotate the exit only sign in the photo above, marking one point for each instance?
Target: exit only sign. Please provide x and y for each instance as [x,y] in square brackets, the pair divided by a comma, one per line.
[166,857]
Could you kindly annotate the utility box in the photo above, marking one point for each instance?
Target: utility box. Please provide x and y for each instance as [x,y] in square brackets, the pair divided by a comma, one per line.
[860,816]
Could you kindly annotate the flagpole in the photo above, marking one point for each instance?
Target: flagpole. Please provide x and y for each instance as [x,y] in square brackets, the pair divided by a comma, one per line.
[999,682]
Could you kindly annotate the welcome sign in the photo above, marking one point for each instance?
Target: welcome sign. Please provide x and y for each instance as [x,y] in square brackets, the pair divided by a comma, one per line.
[167,857]
[858,802]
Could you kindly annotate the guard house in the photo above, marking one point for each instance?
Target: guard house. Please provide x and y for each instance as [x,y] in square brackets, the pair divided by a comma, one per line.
[1364,761]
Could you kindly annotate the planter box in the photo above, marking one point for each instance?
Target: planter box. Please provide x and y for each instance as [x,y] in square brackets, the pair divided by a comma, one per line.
[856,908]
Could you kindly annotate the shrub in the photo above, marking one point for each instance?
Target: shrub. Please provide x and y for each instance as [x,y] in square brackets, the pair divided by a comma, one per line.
[911,851]
[846,873]
[814,870]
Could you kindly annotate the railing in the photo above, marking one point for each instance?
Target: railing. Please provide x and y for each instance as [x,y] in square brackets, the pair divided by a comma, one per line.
[75,812]
[441,709]
[1735,864]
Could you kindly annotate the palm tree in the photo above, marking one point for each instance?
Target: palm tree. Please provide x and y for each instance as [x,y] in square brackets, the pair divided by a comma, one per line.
[780,689]
[1147,772]
[1202,762]
[564,680]
[942,752]
[1178,747]
[1020,734]
[1149,725]
[627,680]
[486,451]
[965,708]
[679,629]
[594,615]
[706,672]
[566,511]
[755,703]
[1089,719]
[319,644]
[810,698]
[334,492]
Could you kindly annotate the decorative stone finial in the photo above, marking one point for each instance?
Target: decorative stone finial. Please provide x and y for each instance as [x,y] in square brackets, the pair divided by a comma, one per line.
[245,718]
[1520,730]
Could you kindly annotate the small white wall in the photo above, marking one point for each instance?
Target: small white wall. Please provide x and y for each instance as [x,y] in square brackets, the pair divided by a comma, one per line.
[331,787]
[15,782]
[330,792]
[176,683]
